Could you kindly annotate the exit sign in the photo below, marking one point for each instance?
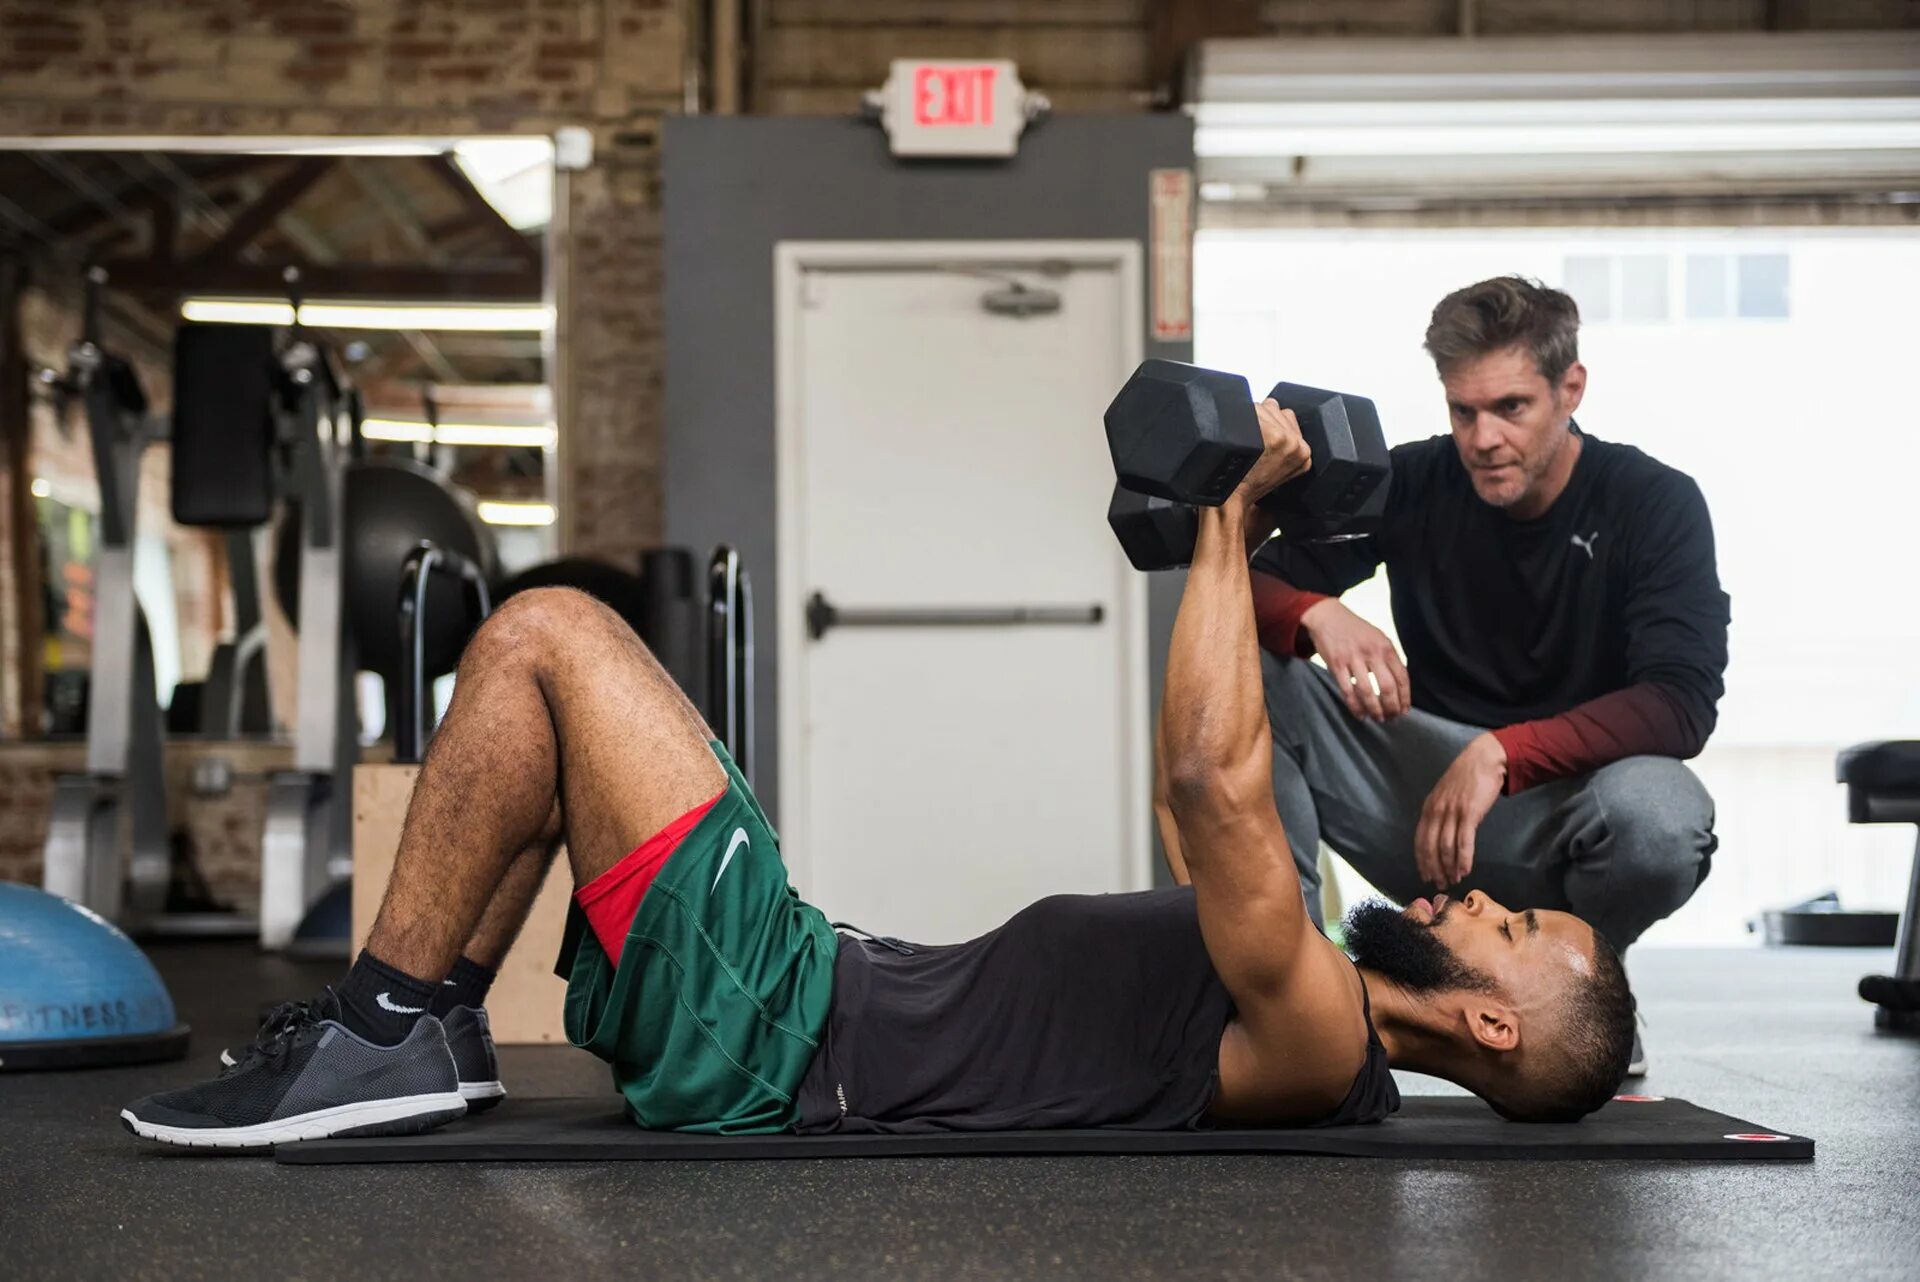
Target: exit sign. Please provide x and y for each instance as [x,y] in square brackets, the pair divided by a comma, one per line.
[953,108]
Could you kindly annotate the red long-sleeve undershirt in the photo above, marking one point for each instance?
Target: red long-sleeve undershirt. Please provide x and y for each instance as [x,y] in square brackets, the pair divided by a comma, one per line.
[1639,719]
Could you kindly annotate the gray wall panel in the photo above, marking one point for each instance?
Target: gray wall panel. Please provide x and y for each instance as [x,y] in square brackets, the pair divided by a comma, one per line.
[736,186]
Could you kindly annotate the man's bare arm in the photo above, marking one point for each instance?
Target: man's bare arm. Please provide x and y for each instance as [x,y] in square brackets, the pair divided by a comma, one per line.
[1256,531]
[1163,812]
[1218,751]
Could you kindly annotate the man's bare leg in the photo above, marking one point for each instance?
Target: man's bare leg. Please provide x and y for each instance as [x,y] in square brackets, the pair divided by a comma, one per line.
[512,901]
[472,976]
[557,702]
[559,706]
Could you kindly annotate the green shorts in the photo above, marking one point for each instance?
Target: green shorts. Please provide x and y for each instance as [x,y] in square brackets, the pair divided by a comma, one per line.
[721,994]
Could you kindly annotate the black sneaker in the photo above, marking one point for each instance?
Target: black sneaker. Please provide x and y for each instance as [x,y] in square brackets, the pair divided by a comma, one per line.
[305,1077]
[470,1038]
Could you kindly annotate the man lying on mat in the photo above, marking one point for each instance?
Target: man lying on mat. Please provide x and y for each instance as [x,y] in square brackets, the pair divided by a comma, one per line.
[725,1003]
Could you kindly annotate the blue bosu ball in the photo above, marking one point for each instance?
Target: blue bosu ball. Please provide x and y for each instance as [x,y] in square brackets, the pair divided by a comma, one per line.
[74,990]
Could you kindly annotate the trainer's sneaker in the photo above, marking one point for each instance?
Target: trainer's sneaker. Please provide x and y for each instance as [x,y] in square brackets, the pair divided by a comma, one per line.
[470,1038]
[306,1076]
[1637,1063]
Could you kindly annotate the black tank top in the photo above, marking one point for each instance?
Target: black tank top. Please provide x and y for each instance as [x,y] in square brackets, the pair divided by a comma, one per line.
[1081,1011]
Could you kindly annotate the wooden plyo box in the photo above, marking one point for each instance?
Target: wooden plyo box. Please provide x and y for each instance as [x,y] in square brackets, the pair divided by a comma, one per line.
[524,1006]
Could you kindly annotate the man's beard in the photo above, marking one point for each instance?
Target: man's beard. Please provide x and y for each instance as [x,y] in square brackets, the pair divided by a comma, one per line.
[1407,952]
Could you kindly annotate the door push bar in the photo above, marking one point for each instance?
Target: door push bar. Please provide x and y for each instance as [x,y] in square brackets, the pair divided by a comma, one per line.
[823,616]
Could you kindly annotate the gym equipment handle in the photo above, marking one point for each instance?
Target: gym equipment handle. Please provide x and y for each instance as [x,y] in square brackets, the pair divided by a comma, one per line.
[823,616]
[730,656]
[410,735]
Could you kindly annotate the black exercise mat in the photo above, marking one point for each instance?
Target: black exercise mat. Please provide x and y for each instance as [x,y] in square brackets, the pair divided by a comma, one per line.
[560,1130]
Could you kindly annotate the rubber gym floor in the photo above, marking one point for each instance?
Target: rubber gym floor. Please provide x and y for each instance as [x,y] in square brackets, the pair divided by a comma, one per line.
[1776,1037]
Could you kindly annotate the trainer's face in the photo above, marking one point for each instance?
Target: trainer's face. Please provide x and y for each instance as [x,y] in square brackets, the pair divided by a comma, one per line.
[1529,954]
[1509,423]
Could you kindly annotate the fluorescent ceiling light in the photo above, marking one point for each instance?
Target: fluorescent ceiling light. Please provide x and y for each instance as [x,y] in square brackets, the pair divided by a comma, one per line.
[495,513]
[393,429]
[506,318]
[534,397]
[541,436]
[349,147]
[1670,94]
[536,435]
[479,317]
[1595,112]
[234,311]
[1671,65]
[1417,134]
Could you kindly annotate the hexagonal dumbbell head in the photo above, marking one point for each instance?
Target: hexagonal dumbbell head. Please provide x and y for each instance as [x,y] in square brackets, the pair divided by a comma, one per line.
[1183,433]
[1157,533]
[1350,461]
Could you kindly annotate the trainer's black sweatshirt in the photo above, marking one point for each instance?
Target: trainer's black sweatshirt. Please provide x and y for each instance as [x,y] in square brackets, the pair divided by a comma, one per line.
[1595,632]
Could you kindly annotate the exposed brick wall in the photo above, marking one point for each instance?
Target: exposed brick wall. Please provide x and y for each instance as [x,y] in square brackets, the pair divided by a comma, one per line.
[376,66]
[420,67]
[386,67]
[222,832]
[815,56]
[615,347]
[27,786]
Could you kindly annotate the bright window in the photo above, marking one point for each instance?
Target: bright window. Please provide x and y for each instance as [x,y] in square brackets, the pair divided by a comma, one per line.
[1802,432]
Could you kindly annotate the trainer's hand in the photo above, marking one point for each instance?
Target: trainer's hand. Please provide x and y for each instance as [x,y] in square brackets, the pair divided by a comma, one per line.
[1285,454]
[1359,656]
[1443,843]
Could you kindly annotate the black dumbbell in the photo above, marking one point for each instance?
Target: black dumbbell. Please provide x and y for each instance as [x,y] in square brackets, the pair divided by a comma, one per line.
[1183,436]
[1157,533]
[1181,432]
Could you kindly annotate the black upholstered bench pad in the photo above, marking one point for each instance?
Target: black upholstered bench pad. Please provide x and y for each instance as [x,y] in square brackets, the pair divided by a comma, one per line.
[547,1130]
[1890,765]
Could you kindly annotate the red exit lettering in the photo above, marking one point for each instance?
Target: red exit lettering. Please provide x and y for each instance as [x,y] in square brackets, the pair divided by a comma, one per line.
[953,95]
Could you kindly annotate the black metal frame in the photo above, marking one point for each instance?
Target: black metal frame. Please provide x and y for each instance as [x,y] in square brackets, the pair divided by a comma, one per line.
[1884,796]
[730,656]
[410,731]
[123,774]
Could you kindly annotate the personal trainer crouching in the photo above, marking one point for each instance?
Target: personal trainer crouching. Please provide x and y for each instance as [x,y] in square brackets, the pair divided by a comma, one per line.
[1566,640]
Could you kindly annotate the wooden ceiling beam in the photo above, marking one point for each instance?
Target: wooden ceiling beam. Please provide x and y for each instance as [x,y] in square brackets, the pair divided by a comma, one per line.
[266,210]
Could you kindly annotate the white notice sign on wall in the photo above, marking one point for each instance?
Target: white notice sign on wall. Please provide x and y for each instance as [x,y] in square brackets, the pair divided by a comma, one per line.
[1170,233]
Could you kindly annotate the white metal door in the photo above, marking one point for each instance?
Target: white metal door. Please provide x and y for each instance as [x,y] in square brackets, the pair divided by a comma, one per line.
[935,457]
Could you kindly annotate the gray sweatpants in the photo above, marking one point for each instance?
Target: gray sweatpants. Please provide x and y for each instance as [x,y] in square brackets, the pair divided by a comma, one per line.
[1621,847]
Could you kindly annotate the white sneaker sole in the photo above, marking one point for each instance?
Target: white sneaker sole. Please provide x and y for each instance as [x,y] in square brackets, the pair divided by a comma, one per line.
[473,1091]
[316,1125]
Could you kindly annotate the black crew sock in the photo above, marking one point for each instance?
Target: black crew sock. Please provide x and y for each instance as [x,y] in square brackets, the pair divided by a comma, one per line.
[380,1003]
[465,985]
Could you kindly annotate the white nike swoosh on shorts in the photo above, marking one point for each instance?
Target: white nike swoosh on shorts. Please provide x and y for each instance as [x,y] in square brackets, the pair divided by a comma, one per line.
[738,840]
